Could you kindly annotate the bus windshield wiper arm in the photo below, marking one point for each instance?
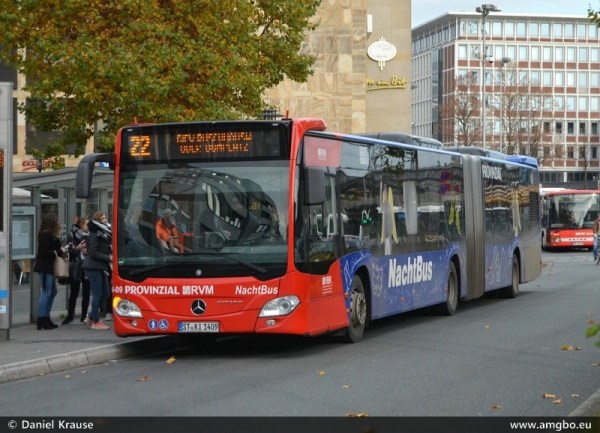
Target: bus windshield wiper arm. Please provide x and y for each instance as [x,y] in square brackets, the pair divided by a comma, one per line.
[230,256]
[149,268]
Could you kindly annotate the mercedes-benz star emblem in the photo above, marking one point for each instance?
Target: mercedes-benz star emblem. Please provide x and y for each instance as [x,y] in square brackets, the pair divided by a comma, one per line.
[198,307]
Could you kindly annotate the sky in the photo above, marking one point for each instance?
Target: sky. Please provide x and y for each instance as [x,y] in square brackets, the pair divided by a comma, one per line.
[425,10]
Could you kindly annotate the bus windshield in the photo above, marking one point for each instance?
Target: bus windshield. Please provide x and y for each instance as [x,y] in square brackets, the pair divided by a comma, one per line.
[217,219]
[572,210]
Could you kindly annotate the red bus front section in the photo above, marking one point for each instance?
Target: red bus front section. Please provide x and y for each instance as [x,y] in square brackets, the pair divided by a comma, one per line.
[570,238]
[231,305]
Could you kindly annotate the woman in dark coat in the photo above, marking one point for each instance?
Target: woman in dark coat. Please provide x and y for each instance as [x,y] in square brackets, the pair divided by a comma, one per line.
[97,265]
[48,248]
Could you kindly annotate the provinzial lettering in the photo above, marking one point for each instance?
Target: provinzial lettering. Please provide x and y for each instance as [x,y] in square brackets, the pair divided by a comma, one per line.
[152,290]
[489,172]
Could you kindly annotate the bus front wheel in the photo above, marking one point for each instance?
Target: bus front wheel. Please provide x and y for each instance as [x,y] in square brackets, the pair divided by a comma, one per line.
[358,312]
[448,308]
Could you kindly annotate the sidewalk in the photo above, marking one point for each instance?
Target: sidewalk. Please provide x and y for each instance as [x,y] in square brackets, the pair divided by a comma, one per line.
[29,352]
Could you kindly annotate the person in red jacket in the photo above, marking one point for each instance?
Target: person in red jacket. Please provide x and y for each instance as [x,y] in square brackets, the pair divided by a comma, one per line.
[49,246]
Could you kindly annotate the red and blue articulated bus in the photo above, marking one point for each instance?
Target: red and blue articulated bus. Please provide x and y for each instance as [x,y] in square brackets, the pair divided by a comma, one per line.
[284,228]
[568,217]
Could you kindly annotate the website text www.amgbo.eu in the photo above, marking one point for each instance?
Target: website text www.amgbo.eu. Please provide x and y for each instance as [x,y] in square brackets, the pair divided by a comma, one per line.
[553,426]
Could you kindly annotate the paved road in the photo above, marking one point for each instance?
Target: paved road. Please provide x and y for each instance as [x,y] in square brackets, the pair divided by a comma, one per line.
[493,353]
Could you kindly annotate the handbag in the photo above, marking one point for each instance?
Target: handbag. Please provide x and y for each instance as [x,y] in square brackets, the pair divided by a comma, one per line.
[61,266]
[75,270]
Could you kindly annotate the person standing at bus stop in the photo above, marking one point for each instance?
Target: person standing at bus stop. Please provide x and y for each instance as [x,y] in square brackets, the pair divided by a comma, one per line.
[596,234]
[97,266]
[48,248]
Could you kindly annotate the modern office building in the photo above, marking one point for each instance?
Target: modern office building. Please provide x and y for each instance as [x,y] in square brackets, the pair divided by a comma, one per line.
[552,64]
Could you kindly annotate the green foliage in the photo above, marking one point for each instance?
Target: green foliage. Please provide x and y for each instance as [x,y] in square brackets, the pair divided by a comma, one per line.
[592,331]
[106,62]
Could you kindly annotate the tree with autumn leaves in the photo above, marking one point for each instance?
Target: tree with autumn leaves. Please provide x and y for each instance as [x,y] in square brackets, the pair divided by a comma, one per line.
[103,63]
[519,114]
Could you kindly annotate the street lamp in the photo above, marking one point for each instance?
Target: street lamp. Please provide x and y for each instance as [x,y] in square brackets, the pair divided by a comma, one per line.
[503,62]
[484,10]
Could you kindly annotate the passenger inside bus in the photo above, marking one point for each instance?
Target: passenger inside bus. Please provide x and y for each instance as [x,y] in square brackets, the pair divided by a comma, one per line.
[167,233]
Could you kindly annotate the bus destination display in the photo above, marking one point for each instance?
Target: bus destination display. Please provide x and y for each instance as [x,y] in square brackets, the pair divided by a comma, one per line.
[146,144]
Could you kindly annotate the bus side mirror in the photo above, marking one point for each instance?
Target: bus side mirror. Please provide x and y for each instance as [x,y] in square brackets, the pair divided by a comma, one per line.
[85,172]
[314,186]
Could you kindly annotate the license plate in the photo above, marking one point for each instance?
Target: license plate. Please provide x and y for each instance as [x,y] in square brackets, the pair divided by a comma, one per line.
[198,326]
[577,243]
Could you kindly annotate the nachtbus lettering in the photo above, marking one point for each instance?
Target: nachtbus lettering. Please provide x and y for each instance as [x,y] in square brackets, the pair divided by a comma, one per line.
[152,290]
[490,172]
[256,290]
[416,270]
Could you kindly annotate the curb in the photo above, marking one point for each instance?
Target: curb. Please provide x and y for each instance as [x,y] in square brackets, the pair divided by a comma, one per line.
[85,357]
[590,407]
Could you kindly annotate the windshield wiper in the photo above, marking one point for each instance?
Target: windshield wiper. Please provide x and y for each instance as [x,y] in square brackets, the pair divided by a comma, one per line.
[149,268]
[229,256]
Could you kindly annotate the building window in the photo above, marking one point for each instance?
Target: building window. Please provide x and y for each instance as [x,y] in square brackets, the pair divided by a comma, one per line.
[594,79]
[570,128]
[594,152]
[559,78]
[583,79]
[535,77]
[557,30]
[509,28]
[592,31]
[570,103]
[559,54]
[558,128]
[475,52]
[545,30]
[583,55]
[559,102]
[581,31]
[535,54]
[570,54]
[511,52]
[534,30]
[571,79]
[583,100]
[547,54]
[594,128]
[547,78]
[581,128]
[521,29]
[582,153]
[473,26]
[546,127]
[462,51]
[497,28]
[594,58]
[569,30]
[569,152]
[499,51]
[594,104]
[522,52]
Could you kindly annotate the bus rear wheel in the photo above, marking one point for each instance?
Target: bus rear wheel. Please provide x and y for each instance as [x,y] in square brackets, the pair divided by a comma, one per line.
[448,308]
[512,291]
[358,312]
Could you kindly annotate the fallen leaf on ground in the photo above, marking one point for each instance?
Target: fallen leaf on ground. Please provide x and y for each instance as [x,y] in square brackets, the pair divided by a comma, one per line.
[84,372]
[171,360]
[559,401]
[566,347]
[487,326]
[41,374]
[67,376]
[143,379]
[495,406]
[595,365]
[345,386]
[321,373]
[591,322]
[549,396]
[575,395]
[577,348]
[358,415]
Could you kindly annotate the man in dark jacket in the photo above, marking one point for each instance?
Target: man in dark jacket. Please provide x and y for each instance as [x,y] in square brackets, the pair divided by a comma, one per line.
[98,265]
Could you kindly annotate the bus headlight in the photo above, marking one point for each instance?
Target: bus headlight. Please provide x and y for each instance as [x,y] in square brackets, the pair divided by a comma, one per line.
[126,308]
[280,306]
